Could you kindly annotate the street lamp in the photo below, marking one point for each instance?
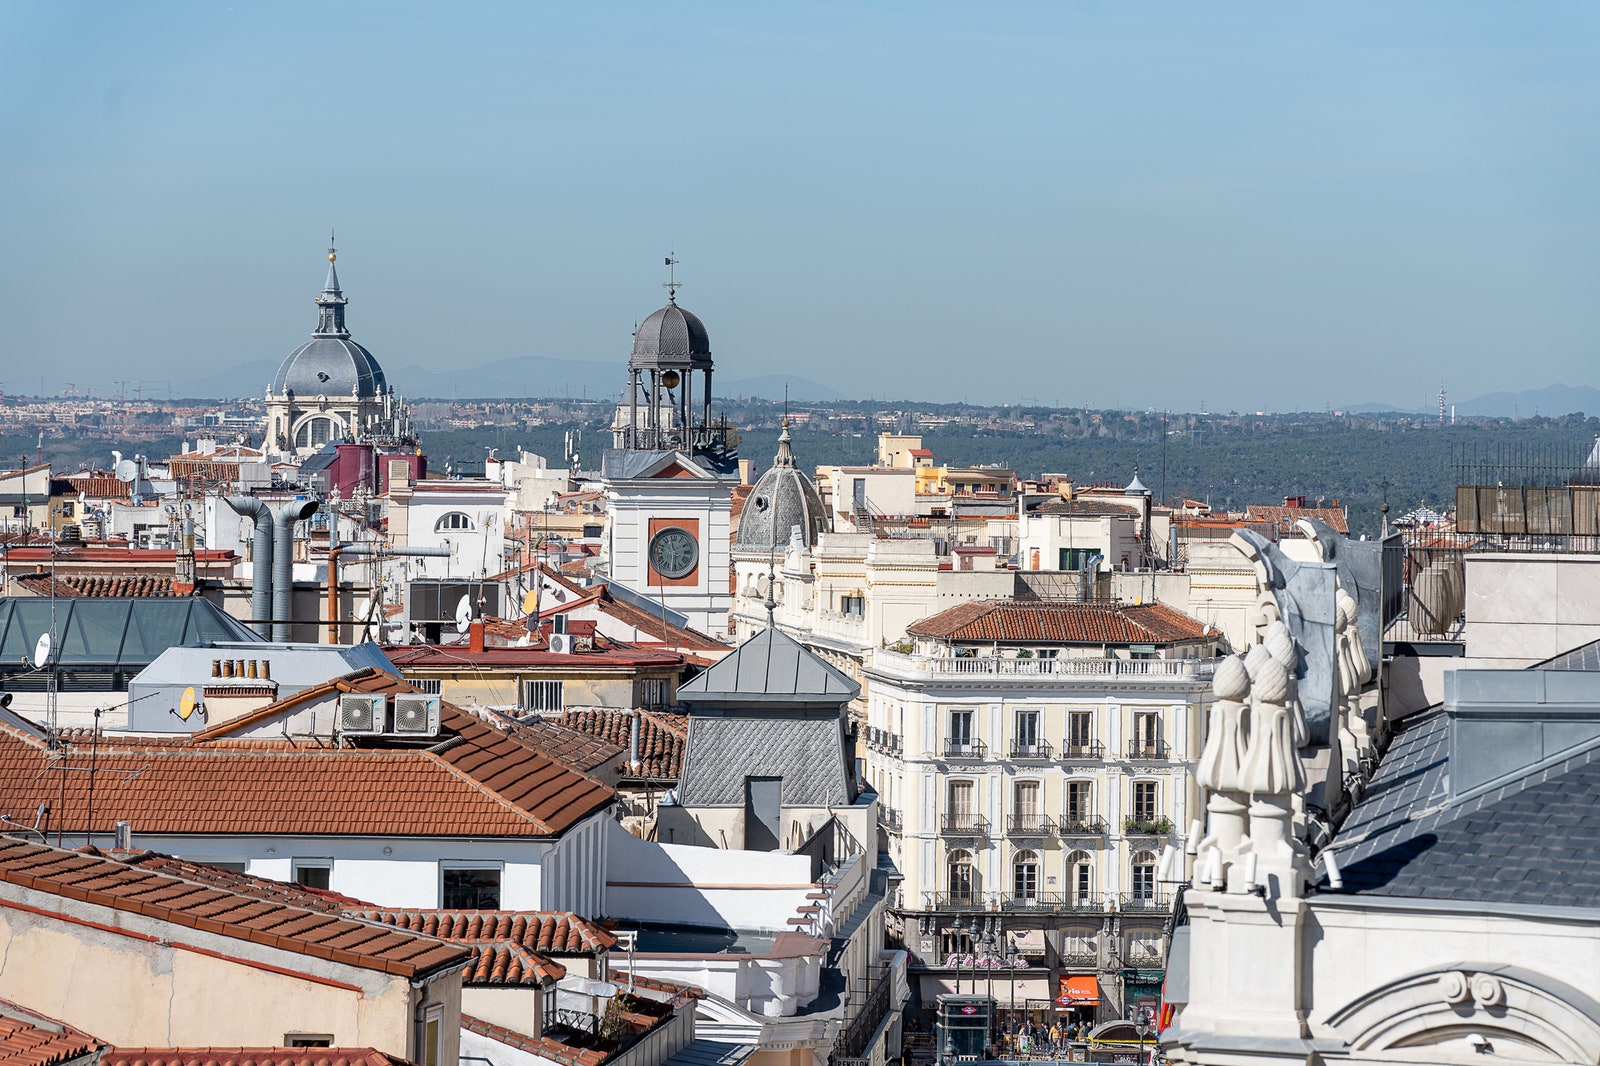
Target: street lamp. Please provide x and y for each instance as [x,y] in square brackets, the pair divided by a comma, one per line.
[1145,1028]
[956,940]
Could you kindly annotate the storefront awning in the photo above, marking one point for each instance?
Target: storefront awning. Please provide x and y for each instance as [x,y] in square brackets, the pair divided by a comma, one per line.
[1029,942]
[1006,996]
[1078,991]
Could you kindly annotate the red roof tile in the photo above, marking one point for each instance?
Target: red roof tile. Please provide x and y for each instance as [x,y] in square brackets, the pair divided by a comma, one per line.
[249,1056]
[1030,622]
[159,894]
[661,739]
[509,947]
[540,1046]
[483,782]
[80,585]
[32,1040]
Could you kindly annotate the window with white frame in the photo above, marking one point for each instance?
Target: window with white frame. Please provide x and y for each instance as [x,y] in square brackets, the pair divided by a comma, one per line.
[1147,735]
[543,696]
[452,521]
[1027,740]
[1080,878]
[1078,942]
[470,886]
[1080,734]
[1146,802]
[1079,805]
[1144,944]
[1025,876]
[1144,875]
[1025,806]
[430,1036]
[312,873]
[960,731]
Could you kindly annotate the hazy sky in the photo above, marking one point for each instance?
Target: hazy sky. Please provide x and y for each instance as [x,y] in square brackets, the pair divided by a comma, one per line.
[1247,205]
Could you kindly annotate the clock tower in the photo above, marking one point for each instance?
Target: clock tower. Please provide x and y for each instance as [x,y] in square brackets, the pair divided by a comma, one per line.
[669,475]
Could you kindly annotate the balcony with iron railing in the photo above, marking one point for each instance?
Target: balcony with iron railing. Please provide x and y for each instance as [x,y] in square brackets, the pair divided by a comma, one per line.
[965,749]
[890,819]
[1082,827]
[1053,902]
[1146,827]
[951,901]
[1154,902]
[1092,750]
[964,825]
[1148,749]
[1038,749]
[1153,671]
[1030,825]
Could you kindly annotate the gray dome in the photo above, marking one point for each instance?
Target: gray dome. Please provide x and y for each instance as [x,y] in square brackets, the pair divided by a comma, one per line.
[671,337]
[330,366]
[782,499]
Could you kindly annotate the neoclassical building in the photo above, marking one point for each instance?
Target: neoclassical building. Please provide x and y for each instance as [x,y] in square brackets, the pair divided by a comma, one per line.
[331,389]
[783,515]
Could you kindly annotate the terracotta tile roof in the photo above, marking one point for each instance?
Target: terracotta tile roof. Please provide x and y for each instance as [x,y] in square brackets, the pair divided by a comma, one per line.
[368,680]
[98,584]
[539,1046]
[28,1039]
[302,896]
[661,739]
[482,782]
[1031,622]
[1087,507]
[105,882]
[549,932]
[577,748]
[509,947]
[99,485]
[1286,517]
[249,1056]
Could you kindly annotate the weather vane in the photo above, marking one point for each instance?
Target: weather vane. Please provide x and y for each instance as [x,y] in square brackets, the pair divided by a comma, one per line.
[672,283]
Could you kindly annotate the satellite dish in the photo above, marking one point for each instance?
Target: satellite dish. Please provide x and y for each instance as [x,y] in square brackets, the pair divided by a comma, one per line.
[187,704]
[463,614]
[126,470]
[530,602]
[41,650]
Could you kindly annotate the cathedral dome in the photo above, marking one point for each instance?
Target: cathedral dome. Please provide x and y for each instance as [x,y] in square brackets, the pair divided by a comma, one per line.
[783,498]
[330,363]
[671,337]
[332,367]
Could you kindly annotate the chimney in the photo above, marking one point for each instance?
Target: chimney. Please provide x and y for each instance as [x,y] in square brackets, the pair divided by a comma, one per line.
[475,635]
[122,836]
[266,670]
[744,471]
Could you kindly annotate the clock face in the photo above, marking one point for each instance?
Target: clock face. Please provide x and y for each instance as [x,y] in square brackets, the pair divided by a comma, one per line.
[673,553]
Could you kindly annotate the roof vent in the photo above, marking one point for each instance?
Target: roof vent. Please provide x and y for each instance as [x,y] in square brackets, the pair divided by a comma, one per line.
[416,716]
[361,715]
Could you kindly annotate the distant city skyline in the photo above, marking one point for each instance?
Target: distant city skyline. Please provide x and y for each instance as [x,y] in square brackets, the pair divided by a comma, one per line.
[1251,206]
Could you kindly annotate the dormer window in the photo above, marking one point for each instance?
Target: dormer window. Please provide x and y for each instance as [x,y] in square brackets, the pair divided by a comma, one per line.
[455,521]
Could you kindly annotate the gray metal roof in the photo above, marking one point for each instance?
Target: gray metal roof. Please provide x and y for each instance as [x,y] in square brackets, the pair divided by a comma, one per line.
[783,497]
[770,668]
[805,749]
[1585,657]
[330,366]
[112,631]
[1530,840]
[671,337]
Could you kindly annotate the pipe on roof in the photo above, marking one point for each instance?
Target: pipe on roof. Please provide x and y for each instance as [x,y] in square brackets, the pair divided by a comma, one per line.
[376,550]
[261,553]
[283,562]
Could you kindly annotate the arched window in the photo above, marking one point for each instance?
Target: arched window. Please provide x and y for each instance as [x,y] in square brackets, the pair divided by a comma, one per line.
[963,878]
[1144,876]
[315,432]
[454,520]
[1080,879]
[1025,877]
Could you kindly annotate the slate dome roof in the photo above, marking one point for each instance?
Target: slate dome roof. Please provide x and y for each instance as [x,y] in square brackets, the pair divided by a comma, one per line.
[783,497]
[330,366]
[671,337]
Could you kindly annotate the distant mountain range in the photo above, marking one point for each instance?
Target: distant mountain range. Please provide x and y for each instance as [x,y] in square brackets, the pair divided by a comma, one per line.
[1550,400]
[524,376]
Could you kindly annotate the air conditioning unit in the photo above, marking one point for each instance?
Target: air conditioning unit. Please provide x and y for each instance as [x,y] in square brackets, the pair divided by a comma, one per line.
[361,715]
[416,716]
[561,643]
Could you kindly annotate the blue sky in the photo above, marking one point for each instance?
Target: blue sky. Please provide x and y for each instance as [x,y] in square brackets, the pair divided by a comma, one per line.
[1247,205]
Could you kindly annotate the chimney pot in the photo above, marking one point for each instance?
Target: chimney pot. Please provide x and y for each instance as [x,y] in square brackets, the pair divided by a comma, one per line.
[250,668]
[123,836]
[227,668]
[216,667]
[266,670]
